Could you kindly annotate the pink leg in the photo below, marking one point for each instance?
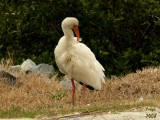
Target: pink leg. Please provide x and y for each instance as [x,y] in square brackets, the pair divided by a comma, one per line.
[84,87]
[73,89]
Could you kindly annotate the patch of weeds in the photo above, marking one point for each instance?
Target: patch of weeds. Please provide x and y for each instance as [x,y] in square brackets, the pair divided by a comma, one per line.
[121,107]
[96,108]
[52,113]
[59,95]
[17,113]
[64,112]
[124,107]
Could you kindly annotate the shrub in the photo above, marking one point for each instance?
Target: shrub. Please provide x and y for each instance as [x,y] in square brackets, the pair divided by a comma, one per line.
[123,34]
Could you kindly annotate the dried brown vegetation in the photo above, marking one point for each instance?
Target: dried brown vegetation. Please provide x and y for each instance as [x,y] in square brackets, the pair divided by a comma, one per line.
[36,93]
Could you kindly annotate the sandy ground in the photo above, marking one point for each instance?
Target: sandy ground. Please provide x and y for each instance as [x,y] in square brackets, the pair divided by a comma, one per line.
[141,114]
[118,116]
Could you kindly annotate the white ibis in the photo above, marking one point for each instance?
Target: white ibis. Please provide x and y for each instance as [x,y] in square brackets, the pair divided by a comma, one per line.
[76,60]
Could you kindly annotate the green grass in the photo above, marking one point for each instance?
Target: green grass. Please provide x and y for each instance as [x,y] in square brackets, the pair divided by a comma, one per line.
[18,113]
[41,112]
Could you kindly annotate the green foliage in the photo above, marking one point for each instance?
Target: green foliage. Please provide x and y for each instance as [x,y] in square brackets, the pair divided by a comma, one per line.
[123,34]
[18,112]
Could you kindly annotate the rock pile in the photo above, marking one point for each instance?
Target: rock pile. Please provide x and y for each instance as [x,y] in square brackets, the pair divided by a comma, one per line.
[44,70]
[11,78]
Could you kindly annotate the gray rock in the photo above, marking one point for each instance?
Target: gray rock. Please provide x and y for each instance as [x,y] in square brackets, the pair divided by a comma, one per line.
[16,68]
[45,70]
[28,66]
[68,84]
[46,79]
[10,78]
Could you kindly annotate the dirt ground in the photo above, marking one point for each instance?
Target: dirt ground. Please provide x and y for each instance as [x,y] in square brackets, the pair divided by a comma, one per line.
[120,116]
[135,114]
[145,113]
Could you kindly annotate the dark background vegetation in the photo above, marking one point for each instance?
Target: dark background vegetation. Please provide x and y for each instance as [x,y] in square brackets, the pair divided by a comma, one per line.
[123,34]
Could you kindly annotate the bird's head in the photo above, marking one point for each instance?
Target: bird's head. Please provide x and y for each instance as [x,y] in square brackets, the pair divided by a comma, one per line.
[71,23]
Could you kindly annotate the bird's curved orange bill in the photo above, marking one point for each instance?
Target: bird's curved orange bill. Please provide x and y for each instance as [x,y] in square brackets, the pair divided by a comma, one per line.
[76,31]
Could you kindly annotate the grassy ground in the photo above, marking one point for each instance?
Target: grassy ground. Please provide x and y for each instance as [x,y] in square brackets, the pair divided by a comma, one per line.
[35,98]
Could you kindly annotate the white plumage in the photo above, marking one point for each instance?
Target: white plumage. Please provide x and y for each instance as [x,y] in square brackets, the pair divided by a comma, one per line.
[75,59]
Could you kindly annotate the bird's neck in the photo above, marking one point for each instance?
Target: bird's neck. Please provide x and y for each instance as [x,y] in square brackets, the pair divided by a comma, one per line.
[69,38]
[68,33]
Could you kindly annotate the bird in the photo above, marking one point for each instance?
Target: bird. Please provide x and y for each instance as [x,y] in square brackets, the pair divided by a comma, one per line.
[76,60]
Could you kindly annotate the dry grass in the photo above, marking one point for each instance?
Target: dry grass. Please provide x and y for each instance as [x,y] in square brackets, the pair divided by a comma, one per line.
[53,99]
[33,93]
